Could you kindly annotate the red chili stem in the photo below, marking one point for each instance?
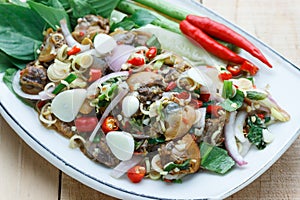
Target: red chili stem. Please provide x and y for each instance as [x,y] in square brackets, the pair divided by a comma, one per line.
[222,32]
[208,43]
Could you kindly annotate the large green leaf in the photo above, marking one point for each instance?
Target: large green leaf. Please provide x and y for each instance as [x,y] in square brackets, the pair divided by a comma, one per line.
[104,7]
[19,40]
[50,14]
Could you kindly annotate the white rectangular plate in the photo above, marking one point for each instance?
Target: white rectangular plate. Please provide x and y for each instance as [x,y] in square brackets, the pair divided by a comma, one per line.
[283,78]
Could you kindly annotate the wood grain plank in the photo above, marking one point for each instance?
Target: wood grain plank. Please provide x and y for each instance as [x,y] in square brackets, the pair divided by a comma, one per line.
[24,174]
[72,189]
[278,26]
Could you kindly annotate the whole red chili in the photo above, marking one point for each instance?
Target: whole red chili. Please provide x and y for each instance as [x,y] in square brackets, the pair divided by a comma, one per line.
[208,43]
[222,32]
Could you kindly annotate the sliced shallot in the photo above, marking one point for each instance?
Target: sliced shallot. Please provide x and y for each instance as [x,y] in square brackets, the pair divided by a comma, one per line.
[230,141]
[238,126]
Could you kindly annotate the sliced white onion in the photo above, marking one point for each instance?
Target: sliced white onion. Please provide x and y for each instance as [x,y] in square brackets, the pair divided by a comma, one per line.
[124,166]
[230,141]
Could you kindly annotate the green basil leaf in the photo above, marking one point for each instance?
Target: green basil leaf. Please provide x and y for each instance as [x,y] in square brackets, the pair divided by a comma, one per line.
[7,61]
[215,159]
[50,14]
[19,40]
[234,103]
[142,17]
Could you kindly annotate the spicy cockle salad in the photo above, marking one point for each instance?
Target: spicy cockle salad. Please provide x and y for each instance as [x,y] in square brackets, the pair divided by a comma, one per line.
[132,101]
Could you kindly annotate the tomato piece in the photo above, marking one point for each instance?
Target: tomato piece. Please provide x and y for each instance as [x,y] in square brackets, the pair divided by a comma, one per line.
[234,70]
[204,97]
[183,95]
[249,67]
[171,86]
[261,115]
[137,61]
[136,173]
[73,51]
[214,110]
[110,124]
[151,53]
[225,76]
[196,103]
[86,124]
[95,74]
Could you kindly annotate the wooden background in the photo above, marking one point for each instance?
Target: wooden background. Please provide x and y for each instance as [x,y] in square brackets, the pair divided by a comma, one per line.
[26,175]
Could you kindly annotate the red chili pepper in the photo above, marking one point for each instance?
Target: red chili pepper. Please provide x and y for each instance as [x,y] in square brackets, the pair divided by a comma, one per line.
[208,43]
[137,61]
[86,124]
[95,74]
[225,76]
[249,67]
[110,124]
[214,110]
[136,173]
[261,115]
[234,70]
[73,51]
[222,32]
[171,86]
[151,53]
[196,103]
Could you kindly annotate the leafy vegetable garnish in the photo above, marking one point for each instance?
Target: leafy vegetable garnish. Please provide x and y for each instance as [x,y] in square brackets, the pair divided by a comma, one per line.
[136,20]
[234,103]
[182,166]
[19,40]
[255,135]
[256,95]
[215,159]
[50,14]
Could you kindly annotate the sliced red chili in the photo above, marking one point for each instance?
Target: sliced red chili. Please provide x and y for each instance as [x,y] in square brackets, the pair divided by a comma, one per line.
[249,67]
[110,124]
[136,173]
[225,76]
[234,70]
[214,110]
[137,61]
[73,51]
[151,53]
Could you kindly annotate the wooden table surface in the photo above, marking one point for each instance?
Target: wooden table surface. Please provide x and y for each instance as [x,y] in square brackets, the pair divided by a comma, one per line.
[25,175]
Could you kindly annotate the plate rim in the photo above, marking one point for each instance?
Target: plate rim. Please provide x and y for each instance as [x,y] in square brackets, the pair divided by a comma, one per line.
[78,174]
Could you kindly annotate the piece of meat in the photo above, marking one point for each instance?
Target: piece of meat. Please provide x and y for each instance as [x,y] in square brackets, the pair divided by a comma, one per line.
[100,152]
[180,151]
[213,130]
[178,121]
[33,78]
